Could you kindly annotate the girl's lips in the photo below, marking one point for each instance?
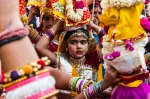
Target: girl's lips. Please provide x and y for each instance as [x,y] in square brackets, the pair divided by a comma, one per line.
[79,52]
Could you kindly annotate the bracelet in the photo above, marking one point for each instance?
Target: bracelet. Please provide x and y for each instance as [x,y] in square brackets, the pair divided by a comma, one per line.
[73,83]
[27,70]
[94,90]
[101,32]
[50,34]
[33,33]
[84,93]
[79,85]
[87,84]
[8,40]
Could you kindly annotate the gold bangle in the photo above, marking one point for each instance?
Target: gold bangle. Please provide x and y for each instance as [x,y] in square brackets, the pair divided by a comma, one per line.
[87,84]
[85,95]
[52,31]
[46,36]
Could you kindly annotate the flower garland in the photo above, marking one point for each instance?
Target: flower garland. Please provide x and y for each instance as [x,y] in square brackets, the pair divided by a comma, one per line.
[70,13]
[106,4]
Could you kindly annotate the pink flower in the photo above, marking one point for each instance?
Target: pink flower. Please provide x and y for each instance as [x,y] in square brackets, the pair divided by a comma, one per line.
[79,5]
[112,56]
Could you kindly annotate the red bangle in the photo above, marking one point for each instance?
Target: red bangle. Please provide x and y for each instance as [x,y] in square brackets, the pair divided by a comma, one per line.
[49,33]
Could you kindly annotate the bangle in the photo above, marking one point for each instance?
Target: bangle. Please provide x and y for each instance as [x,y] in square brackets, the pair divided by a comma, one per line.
[49,34]
[87,84]
[79,85]
[74,82]
[33,33]
[51,30]
[94,90]
[46,36]
[27,70]
[8,40]
[84,93]
[101,32]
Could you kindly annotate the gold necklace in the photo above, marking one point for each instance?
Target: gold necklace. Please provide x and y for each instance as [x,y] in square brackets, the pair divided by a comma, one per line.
[77,63]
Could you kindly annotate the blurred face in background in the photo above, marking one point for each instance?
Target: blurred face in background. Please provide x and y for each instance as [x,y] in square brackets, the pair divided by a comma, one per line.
[48,21]
[97,12]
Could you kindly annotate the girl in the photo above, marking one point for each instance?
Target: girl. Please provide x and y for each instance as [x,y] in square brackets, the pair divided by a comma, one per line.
[76,52]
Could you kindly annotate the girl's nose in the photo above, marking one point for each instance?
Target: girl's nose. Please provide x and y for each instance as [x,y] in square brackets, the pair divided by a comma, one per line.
[78,45]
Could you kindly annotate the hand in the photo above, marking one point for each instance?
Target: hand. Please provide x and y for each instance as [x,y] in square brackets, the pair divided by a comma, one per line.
[95,21]
[110,78]
[33,11]
[94,27]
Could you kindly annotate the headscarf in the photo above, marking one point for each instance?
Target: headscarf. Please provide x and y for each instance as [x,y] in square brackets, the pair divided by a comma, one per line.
[71,33]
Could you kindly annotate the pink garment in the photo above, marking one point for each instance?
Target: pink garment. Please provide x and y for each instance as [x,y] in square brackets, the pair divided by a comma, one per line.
[145,23]
[147,1]
[53,47]
[140,92]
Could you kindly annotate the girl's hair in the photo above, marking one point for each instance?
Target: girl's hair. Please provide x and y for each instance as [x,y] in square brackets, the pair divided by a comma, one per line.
[97,4]
[69,33]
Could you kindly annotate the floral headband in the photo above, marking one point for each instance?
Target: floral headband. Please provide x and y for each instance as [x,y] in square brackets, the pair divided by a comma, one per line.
[106,4]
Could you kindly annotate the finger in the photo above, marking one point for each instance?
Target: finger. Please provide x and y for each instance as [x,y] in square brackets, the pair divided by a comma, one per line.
[118,80]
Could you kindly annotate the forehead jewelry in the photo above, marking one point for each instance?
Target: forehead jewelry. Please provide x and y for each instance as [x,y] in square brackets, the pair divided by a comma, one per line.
[78,33]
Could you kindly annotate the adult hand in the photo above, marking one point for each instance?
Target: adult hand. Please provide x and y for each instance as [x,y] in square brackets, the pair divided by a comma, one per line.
[33,11]
[110,78]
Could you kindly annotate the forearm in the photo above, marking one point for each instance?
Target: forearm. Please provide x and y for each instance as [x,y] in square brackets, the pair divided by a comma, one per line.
[95,28]
[42,48]
[62,79]
[18,53]
[56,27]
[80,96]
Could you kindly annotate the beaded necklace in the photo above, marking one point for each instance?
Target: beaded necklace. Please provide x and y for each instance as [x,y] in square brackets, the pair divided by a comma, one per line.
[76,65]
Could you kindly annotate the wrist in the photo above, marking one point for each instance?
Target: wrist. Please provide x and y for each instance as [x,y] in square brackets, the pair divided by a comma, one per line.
[49,34]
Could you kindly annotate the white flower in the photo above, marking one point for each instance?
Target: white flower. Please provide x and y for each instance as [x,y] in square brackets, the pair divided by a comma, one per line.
[106,4]
[70,13]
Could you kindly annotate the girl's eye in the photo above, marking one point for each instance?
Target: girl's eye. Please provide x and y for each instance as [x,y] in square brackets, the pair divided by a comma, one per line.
[84,42]
[73,42]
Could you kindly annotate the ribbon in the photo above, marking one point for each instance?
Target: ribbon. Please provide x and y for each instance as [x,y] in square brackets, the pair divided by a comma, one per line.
[129,45]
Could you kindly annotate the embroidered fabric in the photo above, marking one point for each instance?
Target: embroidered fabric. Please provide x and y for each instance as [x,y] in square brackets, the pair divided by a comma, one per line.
[32,88]
[85,71]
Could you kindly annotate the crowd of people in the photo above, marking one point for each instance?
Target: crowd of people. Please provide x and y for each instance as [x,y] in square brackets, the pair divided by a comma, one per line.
[75,49]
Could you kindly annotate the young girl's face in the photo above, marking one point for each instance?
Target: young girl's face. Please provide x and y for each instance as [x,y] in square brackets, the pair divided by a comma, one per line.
[77,47]
[48,22]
